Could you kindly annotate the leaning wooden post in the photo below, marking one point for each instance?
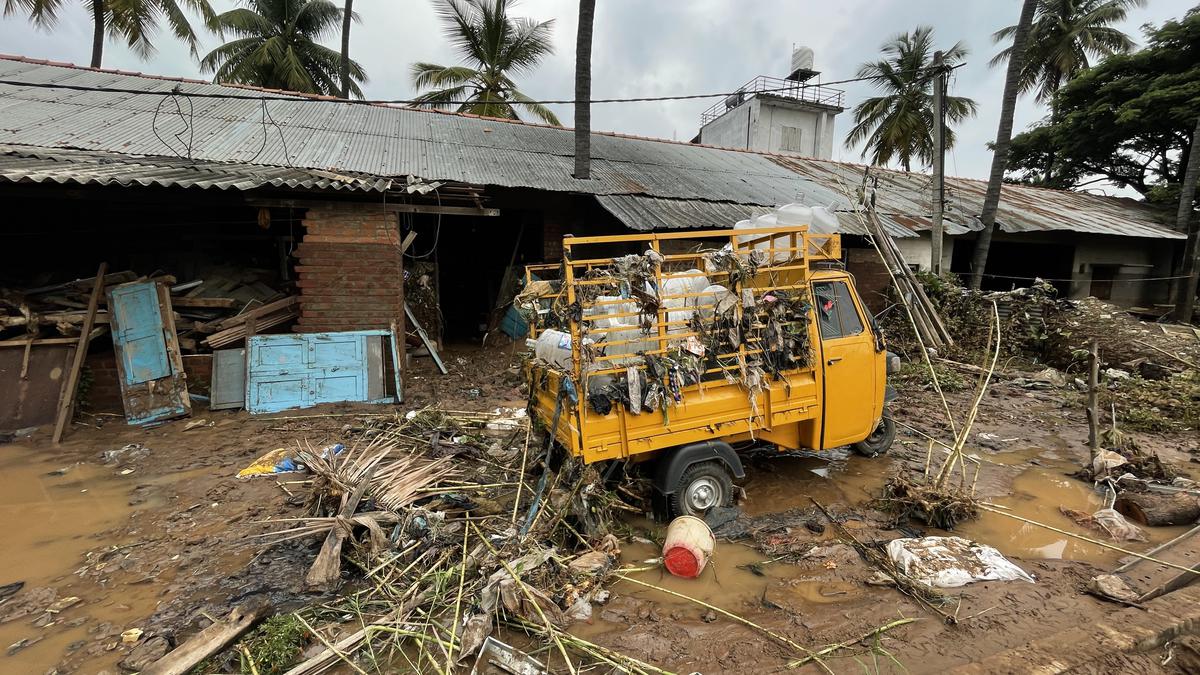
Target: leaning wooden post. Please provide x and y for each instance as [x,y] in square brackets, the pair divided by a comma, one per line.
[1093,387]
[66,399]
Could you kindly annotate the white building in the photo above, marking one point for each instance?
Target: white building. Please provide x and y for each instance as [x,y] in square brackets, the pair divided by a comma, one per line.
[787,116]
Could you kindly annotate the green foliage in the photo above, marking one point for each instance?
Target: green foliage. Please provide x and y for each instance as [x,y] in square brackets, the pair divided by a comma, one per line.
[1128,120]
[1144,405]
[276,45]
[130,21]
[967,315]
[898,125]
[494,46]
[1064,34]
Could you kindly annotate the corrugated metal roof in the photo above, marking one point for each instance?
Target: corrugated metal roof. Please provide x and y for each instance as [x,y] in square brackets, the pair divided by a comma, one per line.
[655,213]
[22,164]
[397,141]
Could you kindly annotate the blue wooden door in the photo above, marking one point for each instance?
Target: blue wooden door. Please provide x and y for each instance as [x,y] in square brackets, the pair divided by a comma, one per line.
[138,332]
[153,385]
[297,371]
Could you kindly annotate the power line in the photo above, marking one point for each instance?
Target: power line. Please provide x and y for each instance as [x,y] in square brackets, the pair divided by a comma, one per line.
[326,99]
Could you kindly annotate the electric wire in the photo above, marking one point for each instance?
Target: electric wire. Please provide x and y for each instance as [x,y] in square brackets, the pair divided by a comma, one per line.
[314,98]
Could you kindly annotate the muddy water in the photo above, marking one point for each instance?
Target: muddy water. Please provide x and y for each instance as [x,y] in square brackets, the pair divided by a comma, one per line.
[52,521]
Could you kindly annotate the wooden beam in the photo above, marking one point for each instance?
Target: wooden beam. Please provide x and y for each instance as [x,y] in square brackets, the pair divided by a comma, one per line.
[443,210]
[66,399]
[197,303]
[209,641]
[390,207]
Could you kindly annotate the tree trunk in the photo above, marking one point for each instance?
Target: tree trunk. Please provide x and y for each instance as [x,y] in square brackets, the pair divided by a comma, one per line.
[97,32]
[1000,152]
[1185,221]
[1158,509]
[347,17]
[583,90]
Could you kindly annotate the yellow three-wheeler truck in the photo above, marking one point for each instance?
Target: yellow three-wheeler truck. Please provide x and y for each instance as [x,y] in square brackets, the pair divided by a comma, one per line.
[678,347]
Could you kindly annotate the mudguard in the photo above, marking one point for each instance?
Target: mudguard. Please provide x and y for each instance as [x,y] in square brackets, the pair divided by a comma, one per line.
[672,466]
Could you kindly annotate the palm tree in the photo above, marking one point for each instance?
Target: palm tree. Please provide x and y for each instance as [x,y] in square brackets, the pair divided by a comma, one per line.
[583,89]
[899,124]
[495,47]
[1008,104]
[276,46]
[132,21]
[344,67]
[1065,33]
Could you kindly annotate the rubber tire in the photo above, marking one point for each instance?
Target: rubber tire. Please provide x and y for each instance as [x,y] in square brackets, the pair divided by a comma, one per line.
[880,440]
[711,469]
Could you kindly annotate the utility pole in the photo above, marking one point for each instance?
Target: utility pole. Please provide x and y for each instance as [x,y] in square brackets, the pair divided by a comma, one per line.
[939,162]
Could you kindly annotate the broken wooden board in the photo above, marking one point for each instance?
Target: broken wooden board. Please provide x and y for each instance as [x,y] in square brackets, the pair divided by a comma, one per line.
[1150,579]
[209,641]
[425,340]
[149,364]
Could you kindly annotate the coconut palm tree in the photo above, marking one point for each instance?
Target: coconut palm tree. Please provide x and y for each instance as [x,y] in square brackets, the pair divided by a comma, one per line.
[276,45]
[1065,33]
[344,67]
[131,21]
[1008,105]
[495,48]
[899,124]
[583,89]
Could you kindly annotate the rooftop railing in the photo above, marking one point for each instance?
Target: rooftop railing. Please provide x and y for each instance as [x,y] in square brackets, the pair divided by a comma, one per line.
[775,86]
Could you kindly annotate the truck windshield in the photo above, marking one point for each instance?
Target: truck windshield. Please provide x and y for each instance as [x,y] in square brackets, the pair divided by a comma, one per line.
[835,310]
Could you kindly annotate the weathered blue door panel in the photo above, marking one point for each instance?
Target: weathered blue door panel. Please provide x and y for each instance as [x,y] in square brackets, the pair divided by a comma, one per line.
[143,348]
[297,371]
[153,385]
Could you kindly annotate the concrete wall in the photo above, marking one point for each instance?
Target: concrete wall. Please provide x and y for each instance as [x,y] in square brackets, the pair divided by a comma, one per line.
[771,125]
[1137,260]
[349,269]
[918,251]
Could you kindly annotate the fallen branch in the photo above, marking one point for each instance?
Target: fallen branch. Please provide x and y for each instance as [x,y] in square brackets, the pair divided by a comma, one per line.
[327,568]
[842,645]
[775,636]
[209,641]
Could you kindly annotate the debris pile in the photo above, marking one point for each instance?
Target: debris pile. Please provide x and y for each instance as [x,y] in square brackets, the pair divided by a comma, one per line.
[426,517]
[210,311]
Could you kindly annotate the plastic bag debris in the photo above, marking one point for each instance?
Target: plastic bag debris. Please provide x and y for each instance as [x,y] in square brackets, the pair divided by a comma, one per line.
[1105,461]
[949,562]
[282,460]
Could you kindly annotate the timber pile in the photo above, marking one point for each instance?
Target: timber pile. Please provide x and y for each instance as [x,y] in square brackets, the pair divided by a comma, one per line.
[927,322]
[217,311]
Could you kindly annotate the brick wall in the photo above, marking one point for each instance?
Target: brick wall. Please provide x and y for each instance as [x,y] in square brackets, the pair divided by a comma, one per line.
[104,390]
[349,269]
[870,276]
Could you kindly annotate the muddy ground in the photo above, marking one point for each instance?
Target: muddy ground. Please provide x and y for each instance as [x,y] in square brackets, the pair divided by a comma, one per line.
[150,530]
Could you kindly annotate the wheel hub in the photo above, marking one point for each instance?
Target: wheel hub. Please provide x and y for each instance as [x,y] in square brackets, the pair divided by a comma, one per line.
[703,494]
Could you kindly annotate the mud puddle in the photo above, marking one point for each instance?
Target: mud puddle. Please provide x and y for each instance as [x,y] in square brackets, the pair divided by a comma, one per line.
[57,510]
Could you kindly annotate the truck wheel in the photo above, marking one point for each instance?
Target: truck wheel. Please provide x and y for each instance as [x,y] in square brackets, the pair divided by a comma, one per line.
[701,487]
[880,440]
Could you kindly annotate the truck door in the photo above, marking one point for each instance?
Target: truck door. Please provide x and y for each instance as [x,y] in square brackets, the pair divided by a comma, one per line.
[847,357]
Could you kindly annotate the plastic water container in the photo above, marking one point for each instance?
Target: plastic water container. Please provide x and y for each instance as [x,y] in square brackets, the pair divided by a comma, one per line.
[823,222]
[554,347]
[682,283]
[688,547]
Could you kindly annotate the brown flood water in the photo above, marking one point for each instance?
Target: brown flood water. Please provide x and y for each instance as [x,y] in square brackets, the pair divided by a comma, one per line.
[787,482]
[52,522]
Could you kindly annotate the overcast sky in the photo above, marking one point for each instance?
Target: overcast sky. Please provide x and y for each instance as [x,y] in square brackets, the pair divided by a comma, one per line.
[649,48]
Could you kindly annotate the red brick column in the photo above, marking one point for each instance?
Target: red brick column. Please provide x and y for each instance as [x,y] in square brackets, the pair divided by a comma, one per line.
[350,269]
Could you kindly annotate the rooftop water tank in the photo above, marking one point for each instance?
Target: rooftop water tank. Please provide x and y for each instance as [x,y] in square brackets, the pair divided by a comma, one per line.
[802,64]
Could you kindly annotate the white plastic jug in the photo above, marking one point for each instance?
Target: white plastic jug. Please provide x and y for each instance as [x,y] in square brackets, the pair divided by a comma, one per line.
[554,347]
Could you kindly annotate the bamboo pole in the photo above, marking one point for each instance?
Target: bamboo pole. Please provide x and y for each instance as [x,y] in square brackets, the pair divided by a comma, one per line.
[1093,413]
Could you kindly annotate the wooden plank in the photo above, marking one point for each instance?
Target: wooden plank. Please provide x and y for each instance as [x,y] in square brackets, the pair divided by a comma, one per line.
[376,206]
[1151,580]
[224,324]
[209,641]
[66,400]
[36,342]
[398,348]
[208,303]
[425,339]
